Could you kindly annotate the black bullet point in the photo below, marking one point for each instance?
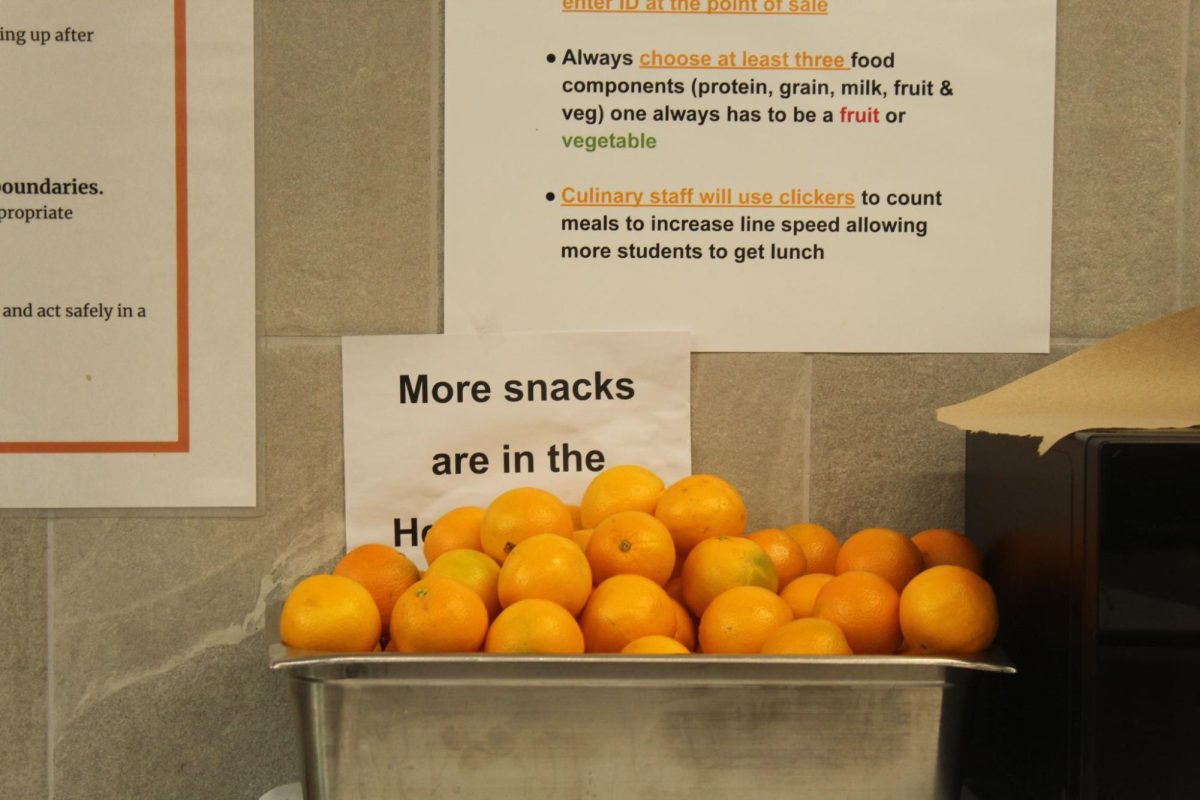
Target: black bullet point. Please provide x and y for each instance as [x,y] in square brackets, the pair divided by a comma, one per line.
[549,195]
[550,57]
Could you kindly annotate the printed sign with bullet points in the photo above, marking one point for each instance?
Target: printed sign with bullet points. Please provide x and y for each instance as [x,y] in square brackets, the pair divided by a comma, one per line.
[770,174]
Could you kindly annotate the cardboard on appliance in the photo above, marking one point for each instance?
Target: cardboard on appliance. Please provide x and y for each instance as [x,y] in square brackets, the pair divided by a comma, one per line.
[1145,378]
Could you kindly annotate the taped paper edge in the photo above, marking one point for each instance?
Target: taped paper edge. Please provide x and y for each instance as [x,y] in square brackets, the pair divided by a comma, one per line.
[1017,411]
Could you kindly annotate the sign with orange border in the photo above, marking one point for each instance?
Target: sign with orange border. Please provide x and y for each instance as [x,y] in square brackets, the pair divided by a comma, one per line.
[181,442]
[127,315]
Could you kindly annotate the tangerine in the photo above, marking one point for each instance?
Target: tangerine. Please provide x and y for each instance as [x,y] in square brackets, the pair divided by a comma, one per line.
[534,626]
[807,637]
[889,554]
[655,645]
[631,542]
[457,529]
[518,514]
[867,609]
[944,546]
[784,551]
[700,507]
[685,626]
[801,594]
[819,544]
[582,537]
[383,570]
[674,586]
[438,615]
[948,610]
[576,515]
[548,567]
[626,487]
[716,565]
[330,612]
[474,569]
[623,608]
[741,619]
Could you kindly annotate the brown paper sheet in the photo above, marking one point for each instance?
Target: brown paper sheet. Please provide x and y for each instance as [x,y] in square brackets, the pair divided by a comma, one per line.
[1145,378]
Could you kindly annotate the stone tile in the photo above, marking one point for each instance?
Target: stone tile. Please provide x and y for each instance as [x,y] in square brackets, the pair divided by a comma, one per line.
[23,683]
[160,627]
[1116,165]
[1190,265]
[879,455]
[750,426]
[347,148]
[215,726]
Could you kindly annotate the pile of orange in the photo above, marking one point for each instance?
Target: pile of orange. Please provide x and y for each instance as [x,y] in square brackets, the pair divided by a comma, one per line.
[642,567]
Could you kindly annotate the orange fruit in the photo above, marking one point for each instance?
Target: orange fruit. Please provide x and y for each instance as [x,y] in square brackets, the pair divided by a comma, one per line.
[948,610]
[534,626]
[383,570]
[576,516]
[819,544]
[801,593]
[474,569]
[518,514]
[627,487]
[807,637]
[700,507]
[330,612]
[889,554]
[582,537]
[631,542]
[784,551]
[655,645]
[741,619]
[457,529]
[943,546]
[685,626]
[548,567]
[867,609]
[674,586]
[438,615]
[624,608]
[722,563]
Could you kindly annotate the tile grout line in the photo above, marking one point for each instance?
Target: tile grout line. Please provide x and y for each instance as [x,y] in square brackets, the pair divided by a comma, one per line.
[1182,199]
[806,460]
[50,658]
[1073,341]
[437,251]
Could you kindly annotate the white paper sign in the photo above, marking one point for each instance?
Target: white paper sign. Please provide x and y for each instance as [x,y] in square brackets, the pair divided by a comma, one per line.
[127,329]
[436,422]
[797,175]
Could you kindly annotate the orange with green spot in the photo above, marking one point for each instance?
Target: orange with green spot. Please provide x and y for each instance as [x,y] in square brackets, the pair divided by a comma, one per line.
[716,565]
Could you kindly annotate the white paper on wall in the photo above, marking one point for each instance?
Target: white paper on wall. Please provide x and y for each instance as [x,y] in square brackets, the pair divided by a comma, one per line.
[127,296]
[864,176]
[436,422]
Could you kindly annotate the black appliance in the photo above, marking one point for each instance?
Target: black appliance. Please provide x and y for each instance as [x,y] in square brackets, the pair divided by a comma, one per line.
[1094,552]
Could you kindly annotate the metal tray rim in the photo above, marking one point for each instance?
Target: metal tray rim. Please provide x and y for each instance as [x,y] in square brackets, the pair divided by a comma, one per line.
[488,667]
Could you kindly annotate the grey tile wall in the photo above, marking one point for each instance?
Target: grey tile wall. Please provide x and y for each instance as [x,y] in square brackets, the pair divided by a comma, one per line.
[347,159]
[23,657]
[153,684]
[1117,184]
[750,426]
[161,624]
[1189,222]
[879,456]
